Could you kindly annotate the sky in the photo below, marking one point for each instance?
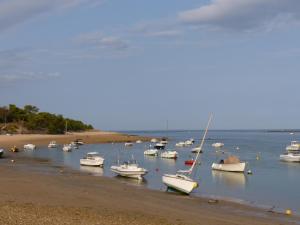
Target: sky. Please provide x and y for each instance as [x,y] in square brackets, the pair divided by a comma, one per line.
[135,64]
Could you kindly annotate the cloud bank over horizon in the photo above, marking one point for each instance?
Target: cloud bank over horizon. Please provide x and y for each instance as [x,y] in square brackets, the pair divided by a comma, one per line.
[243,15]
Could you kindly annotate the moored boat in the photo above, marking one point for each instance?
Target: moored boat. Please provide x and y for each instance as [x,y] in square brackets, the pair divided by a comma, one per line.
[294,146]
[290,157]
[14,149]
[151,152]
[92,159]
[129,169]
[169,154]
[160,146]
[180,144]
[29,147]
[52,144]
[128,144]
[197,149]
[218,145]
[231,164]
[1,152]
[67,148]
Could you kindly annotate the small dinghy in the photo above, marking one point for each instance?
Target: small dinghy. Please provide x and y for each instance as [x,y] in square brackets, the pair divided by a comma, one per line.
[169,155]
[189,162]
[217,145]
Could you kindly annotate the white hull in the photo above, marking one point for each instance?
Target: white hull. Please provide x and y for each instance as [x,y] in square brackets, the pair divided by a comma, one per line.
[290,157]
[129,170]
[29,147]
[195,150]
[151,152]
[179,182]
[217,145]
[169,155]
[232,167]
[128,144]
[91,162]
[67,148]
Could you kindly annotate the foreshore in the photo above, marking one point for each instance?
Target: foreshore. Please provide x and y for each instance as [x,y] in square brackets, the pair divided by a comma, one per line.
[90,137]
[34,191]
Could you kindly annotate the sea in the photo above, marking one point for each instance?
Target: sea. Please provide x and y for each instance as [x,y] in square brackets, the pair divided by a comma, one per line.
[273,185]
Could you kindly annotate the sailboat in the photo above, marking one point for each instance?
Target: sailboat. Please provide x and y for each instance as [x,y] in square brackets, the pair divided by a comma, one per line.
[181,182]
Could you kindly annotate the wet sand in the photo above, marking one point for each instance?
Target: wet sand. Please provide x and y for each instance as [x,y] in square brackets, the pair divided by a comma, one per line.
[29,195]
[91,137]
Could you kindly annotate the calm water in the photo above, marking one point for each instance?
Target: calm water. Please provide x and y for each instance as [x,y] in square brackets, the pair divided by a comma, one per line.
[273,183]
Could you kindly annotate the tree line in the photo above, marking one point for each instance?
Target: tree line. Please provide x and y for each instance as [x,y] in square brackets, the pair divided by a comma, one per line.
[31,120]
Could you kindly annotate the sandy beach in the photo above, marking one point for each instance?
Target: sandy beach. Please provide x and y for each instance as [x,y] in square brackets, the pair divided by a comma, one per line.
[91,137]
[32,195]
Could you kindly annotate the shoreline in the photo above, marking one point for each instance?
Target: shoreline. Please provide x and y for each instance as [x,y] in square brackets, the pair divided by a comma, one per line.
[25,184]
[89,137]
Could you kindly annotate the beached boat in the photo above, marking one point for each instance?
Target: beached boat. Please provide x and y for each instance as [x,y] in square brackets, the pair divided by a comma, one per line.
[128,144]
[294,146]
[231,164]
[67,148]
[169,155]
[78,142]
[151,152]
[159,146]
[129,169]
[197,149]
[179,181]
[52,144]
[1,152]
[153,140]
[92,159]
[218,145]
[290,157]
[29,147]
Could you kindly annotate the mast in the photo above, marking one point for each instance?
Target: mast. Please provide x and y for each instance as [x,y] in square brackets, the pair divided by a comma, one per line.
[201,145]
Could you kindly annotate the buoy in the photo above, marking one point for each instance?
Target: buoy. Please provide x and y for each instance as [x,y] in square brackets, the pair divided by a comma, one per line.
[249,172]
[288,212]
[12,160]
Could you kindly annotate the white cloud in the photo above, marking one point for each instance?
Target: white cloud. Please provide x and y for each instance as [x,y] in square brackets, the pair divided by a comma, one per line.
[13,12]
[243,14]
[97,39]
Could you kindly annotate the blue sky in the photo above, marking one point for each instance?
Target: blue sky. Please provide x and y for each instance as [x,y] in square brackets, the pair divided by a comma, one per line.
[133,64]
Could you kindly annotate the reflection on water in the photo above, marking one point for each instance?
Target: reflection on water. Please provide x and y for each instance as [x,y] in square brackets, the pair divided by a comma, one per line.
[132,181]
[94,170]
[232,180]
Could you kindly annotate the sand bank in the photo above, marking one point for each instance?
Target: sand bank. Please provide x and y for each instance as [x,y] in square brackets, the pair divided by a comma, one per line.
[63,196]
[91,137]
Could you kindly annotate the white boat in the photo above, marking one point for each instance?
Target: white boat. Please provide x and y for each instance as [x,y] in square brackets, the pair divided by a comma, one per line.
[196,149]
[92,159]
[169,155]
[290,157]
[181,182]
[52,144]
[67,148]
[1,152]
[164,141]
[29,147]
[78,142]
[231,164]
[153,140]
[138,142]
[188,143]
[294,146]
[159,146]
[129,169]
[128,144]
[180,144]
[151,152]
[218,145]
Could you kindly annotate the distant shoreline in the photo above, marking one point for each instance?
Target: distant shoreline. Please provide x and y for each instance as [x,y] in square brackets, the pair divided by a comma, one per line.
[88,137]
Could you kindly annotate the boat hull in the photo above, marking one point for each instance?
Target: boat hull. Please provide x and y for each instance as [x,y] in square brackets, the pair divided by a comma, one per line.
[232,167]
[89,162]
[151,152]
[290,158]
[136,174]
[179,184]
